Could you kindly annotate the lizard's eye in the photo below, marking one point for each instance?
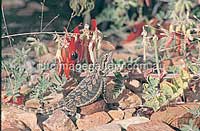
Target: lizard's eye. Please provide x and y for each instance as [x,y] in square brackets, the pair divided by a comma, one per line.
[100,72]
[74,56]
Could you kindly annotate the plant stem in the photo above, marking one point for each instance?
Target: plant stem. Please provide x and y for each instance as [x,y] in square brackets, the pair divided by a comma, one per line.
[140,12]
[72,16]
[155,39]
[6,28]
[42,15]
[50,22]
[144,42]
[9,77]
[144,50]
[33,33]
[199,51]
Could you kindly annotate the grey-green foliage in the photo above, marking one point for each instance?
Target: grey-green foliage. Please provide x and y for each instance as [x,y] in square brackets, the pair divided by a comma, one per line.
[151,88]
[190,127]
[180,8]
[194,67]
[159,93]
[195,112]
[153,95]
[18,74]
[58,82]
[81,7]
[20,56]
[119,85]
[117,13]
[176,9]
[40,89]
[39,47]
[45,86]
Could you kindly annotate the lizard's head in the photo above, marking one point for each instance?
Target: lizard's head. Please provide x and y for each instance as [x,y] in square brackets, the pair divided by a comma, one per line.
[104,62]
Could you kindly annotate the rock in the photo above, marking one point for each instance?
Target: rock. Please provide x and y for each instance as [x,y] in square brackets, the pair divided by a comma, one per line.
[109,93]
[58,122]
[123,56]
[3,95]
[30,119]
[79,130]
[107,46]
[192,93]
[33,103]
[46,58]
[11,124]
[4,74]
[67,85]
[149,126]
[34,79]
[52,99]
[5,98]
[10,114]
[116,114]
[7,51]
[93,108]
[29,66]
[93,120]
[133,120]
[128,113]
[166,63]
[131,47]
[177,115]
[24,90]
[9,4]
[36,6]
[134,85]
[107,127]
[51,47]
[31,8]
[12,129]
[129,100]
[178,61]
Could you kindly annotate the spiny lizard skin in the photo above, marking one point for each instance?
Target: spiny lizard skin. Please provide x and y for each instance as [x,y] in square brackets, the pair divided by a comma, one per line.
[87,91]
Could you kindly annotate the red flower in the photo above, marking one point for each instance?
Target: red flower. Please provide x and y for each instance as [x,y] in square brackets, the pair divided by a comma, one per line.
[169,41]
[18,100]
[74,52]
[137,30]
[93,25]
[178,42]
[76,30]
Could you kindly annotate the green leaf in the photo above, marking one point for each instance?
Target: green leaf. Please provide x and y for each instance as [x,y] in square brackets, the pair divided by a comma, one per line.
[118,75]
[153,81]
[57,78]
[119,84]
[185,75]
[190,127]
[153,103]
[31,39]
[195,112]
[166,89]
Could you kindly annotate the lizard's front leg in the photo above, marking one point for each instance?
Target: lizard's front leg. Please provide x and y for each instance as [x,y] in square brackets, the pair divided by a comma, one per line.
[70,108]
[104,90]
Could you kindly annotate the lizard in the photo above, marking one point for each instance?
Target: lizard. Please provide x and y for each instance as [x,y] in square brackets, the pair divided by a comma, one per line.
[86,92]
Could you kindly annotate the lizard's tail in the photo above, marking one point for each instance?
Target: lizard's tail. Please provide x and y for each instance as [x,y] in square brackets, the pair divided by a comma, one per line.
[49,110]
[46,111]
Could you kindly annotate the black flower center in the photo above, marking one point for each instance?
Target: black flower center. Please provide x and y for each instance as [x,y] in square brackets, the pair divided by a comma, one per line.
[74,56]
